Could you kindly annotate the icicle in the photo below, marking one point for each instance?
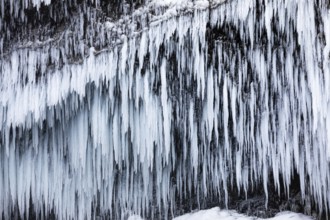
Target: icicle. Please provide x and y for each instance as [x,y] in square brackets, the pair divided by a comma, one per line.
[178,99]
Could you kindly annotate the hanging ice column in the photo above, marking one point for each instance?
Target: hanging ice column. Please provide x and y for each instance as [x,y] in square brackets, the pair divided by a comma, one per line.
[195,101]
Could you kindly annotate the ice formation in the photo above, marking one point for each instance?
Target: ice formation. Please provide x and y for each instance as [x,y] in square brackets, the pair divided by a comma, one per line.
[107,117]
[217,214]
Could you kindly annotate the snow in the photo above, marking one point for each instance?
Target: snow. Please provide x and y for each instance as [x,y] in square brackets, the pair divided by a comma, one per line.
[170,2]
[135,217]
[185,3]
[217,214]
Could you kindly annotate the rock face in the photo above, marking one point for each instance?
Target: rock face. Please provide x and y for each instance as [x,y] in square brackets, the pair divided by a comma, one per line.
[109,108]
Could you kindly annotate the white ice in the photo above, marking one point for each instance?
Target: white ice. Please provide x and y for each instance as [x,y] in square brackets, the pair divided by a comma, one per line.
[104,122]
[217,214]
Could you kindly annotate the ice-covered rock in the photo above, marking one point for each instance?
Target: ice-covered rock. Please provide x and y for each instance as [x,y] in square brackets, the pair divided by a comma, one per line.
[173,102]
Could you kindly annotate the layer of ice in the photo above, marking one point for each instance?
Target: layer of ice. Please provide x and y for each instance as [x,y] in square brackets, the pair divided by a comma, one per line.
[217,214]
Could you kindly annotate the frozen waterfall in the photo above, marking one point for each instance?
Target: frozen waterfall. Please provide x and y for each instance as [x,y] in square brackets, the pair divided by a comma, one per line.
[106,116]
